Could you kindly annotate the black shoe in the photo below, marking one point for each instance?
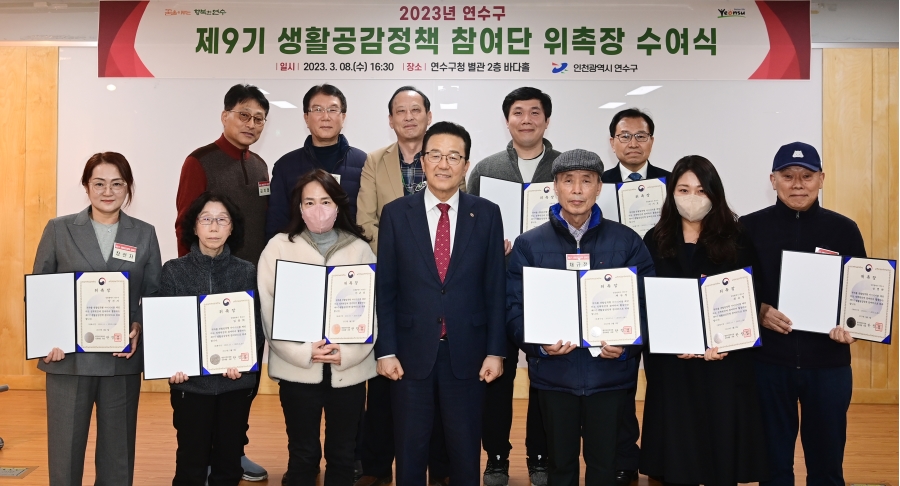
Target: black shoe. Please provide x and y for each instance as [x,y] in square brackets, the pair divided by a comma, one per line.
[496,472]
[374,480]
[624,478]
[537,470]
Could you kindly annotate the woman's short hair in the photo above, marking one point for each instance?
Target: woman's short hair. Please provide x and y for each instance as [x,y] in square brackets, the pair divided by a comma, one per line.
[118,161]
[337,194]
[189,221]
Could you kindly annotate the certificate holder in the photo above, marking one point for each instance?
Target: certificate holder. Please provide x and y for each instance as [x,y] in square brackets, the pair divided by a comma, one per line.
[524,206]
[49,314]
[227,332]
[609,202]
[640,203]
[729,310]
[171,336]
[310,300]
[867,298]
[102,310]
[809,290]
[609,307]
[674,316]
[582,307]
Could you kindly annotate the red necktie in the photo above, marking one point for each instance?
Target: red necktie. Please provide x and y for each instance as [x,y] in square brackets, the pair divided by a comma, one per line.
[442,251]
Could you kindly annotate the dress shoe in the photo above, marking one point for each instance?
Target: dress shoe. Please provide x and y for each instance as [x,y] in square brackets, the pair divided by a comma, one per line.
[374,481]
[624,478]
[433,481]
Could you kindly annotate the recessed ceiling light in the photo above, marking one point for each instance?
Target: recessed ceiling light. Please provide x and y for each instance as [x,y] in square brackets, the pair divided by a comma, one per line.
[448,106]
[111,87]
[642,90]
[264,91]
[282,104]
[611,105]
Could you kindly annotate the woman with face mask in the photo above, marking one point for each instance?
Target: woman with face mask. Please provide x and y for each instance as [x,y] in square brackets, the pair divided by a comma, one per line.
[702,422]
[316,376]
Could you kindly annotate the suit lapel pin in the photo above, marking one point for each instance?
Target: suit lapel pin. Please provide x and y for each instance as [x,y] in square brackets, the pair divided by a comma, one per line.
[472,214]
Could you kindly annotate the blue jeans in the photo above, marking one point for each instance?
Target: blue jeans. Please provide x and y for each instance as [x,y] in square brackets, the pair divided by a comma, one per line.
[824,396]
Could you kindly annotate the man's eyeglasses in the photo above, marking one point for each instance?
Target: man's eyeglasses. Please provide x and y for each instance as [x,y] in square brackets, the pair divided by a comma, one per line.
[318,110]
[206,221]
[118,187]
[245,117]
[435,157]
[639,137]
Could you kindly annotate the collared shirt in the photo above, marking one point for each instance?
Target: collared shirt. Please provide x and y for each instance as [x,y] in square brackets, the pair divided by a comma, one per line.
[625,172]
[412,174]
[434,214]
[577,233]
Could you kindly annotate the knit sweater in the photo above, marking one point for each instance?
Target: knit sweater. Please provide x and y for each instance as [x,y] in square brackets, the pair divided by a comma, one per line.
[777,228]
[199,274]
[505,166]
[292,361]
[221,167]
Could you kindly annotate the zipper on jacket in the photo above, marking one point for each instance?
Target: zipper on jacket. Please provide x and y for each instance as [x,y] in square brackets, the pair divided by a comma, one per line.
[244,168]
[211,265]
[797,245]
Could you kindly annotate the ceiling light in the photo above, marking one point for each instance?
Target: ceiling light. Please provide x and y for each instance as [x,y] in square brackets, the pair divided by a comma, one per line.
[611,105]
[282,104]
[111,87]
[448,106]
[642,90]
[263,91]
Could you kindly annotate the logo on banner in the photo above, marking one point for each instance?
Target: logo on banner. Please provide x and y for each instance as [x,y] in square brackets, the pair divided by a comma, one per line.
[725,13]
[560,68]
[226,302]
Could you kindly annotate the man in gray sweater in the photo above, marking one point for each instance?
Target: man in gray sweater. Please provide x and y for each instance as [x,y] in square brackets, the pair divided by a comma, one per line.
[527,158]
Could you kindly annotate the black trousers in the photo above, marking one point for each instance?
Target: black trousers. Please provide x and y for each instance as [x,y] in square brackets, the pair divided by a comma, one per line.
[628,454]
[498,416]
[570,419]
[302,405]
[376,445]
[210,433]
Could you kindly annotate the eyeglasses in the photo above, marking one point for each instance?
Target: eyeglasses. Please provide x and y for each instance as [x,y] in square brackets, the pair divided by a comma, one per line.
[118,187]
[318,110]
[245,117]
[222,221]
[435,157]
[639,137]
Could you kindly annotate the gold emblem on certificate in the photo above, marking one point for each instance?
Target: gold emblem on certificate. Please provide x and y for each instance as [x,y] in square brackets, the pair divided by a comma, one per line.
[729,310]
[867,298]
[102,324]
[640,203]
[227,332]
[537,198]
[609,307]
[350,306]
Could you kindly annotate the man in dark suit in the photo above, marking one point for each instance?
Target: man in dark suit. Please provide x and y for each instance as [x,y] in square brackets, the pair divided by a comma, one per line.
[440,301]
[631,138]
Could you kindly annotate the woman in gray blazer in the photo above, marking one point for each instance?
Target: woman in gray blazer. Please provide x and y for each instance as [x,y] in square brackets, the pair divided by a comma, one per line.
[111,382]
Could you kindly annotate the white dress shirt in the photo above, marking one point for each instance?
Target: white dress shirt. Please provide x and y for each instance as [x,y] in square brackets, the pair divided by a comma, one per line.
[625,172]
[434,214]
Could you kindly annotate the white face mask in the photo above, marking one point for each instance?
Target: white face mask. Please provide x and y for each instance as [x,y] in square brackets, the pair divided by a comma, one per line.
[692,207]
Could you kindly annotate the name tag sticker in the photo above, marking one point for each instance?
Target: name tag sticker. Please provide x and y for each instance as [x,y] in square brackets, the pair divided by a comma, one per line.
[264,189]
[826,251]
[124,252]
[578,261]
[337,177]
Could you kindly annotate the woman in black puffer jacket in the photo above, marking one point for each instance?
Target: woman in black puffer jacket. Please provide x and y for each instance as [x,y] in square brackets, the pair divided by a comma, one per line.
[210,412]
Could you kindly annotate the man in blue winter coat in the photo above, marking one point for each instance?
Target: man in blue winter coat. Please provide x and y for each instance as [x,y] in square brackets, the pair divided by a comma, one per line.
[581,390]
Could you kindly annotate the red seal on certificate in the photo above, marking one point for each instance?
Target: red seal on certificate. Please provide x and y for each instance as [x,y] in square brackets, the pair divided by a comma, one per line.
[336,329]
[879,327]
[745,333]
[626,330]
[361,328]
[245,356]
[117,337]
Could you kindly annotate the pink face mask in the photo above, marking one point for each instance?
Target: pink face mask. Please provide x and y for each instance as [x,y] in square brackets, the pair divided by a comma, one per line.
[319,218]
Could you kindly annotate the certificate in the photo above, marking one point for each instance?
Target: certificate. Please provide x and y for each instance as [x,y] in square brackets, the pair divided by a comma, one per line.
[310,300]
[689,315]
[609,307]
[227,332]
[171,336]
[102,310]
[582,307]
[729,310]
[809,290]
[640,203]
[867,298]
[350,308]
[524,206]
[609,202]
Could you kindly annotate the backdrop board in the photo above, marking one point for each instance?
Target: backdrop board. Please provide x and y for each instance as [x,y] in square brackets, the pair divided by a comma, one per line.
[156,123]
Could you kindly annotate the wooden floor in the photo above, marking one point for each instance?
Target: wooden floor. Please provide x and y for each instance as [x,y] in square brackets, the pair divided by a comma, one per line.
[871,455]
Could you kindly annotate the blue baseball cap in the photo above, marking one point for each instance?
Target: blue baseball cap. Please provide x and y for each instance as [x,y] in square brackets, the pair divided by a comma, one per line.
[797,153]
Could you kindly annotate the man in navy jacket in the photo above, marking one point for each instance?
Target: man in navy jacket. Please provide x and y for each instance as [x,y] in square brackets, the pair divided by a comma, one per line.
[439,293]
[582,391]
[793,366]
[325,109]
